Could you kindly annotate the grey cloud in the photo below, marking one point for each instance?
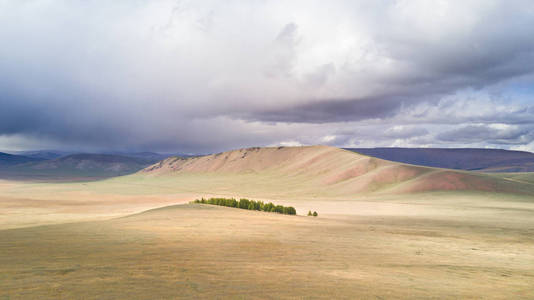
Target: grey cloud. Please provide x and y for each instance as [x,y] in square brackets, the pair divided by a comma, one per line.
[203,76]
[333,110]
[405,132]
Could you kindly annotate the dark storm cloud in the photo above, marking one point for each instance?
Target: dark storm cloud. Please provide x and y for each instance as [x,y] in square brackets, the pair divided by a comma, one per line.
[329,111]
[205,76]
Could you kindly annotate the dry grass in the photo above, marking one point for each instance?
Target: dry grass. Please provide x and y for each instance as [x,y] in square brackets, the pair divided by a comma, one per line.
[201,251]
[333,169]
[378,243]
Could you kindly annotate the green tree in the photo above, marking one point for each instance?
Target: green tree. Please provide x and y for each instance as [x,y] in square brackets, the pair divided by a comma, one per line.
[250,205]
[315,214]
[268,207]
[291,210]
[243,203]
[232,203]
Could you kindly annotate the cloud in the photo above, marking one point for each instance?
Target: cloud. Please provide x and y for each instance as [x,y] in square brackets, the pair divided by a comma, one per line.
[208,76]
[402,131]
[493,133]
[283,52]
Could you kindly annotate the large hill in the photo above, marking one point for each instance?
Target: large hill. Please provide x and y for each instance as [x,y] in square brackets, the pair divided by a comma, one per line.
[324,170]
[485,160]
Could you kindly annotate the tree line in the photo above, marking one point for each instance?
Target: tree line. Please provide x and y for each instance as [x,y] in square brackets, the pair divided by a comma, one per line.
[249,204]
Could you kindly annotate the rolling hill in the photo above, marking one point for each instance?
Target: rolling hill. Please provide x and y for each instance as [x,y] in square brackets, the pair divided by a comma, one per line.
[11,159]
[43,154]
[328,171]
[149,157]
[203,252]
[384,228]
[85,162]
[76,166]
[484,160]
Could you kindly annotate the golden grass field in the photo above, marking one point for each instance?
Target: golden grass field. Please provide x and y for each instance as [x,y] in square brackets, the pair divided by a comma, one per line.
[381,233]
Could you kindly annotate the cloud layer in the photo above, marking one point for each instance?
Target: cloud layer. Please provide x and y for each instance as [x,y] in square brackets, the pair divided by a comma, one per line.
[202,76]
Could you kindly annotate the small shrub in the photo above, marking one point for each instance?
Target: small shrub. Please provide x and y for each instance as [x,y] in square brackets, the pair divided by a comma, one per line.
[315,214]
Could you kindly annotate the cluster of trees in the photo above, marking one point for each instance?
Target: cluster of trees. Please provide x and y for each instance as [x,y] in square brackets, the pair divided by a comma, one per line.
[249,204]
[312,214]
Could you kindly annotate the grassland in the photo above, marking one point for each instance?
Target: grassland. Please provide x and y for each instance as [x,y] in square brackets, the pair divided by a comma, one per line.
[207,251]
[96,240]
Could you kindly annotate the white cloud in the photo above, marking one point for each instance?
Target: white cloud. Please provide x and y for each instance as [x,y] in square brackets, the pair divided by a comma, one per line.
[207,75]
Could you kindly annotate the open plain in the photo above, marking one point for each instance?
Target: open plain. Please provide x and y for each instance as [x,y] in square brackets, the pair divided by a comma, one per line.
[348,149]
[385,230]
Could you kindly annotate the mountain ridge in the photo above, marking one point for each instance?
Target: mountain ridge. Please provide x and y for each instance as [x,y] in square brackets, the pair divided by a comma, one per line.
[7,159]
[333,169]
[76,166]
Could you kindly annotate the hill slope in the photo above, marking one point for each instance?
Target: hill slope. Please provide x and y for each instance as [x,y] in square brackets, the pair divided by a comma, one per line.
[169,251]
[329,170]
[486,160]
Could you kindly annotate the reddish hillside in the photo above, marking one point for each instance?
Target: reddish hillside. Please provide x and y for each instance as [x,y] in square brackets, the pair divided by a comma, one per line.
[340,171]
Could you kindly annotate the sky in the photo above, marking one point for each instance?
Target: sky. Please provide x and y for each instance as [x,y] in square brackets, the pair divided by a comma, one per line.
[208,76]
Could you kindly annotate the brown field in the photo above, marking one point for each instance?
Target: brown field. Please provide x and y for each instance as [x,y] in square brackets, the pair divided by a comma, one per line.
[384,230]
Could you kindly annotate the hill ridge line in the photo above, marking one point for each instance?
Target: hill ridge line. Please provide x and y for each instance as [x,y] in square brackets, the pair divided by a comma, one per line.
[329,169]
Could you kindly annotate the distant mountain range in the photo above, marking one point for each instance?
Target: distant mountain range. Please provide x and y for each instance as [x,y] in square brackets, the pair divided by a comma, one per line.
[484,160]
[49,164]
[53,154]
[91,162]
[11,159]
[42,154]
[146,156]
